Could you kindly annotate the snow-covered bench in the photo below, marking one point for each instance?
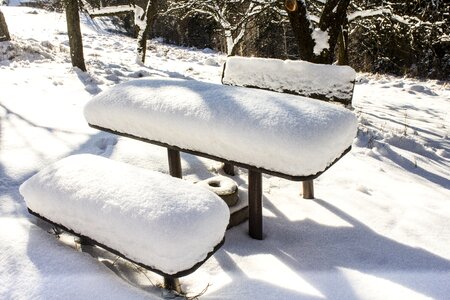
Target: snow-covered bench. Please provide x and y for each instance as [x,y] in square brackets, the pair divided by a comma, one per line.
[322,82]
[281,134]
[162,223]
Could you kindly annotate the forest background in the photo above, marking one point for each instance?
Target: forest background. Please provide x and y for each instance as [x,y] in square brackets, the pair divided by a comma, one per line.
[406,38]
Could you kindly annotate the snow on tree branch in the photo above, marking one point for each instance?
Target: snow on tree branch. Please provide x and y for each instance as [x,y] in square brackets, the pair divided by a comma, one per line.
[108,10]
[367,13]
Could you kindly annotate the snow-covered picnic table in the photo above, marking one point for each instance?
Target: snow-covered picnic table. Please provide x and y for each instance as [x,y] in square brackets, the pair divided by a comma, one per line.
[285,135]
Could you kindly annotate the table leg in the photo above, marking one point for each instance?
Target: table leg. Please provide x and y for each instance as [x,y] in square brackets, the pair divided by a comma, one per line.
[228,169]
[308,189]
[255,221]
[174,163]
[172,284]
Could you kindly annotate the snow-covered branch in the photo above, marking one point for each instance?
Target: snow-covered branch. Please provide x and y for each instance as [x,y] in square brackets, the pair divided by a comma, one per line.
[368,13]
[108,10]
[387,12]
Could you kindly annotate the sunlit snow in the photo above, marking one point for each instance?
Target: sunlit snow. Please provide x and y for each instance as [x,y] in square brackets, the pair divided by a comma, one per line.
[379,227]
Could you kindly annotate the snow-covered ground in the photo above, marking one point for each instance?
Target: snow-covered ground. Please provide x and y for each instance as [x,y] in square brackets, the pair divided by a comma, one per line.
[379,227]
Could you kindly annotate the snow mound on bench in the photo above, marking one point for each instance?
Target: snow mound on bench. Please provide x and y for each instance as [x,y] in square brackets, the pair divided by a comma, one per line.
[163,222]
[290,134]
[299,77]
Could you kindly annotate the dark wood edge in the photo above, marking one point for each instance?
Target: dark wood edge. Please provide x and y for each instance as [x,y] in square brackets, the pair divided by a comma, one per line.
[345,101]
[350,105]
[213,157]
[223,73]
[94,242]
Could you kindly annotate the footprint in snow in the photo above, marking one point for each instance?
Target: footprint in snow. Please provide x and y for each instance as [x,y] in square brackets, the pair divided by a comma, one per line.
[92,89]
[363,189]
[210,62]
[417,88]
[113,77]
[105,142]
[139,74]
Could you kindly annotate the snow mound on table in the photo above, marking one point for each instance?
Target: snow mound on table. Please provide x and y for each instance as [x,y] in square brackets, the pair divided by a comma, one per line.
[161,221]
[298,77]
[290,134]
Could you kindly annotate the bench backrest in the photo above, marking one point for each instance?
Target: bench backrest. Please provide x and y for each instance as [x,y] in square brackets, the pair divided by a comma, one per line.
[323,82]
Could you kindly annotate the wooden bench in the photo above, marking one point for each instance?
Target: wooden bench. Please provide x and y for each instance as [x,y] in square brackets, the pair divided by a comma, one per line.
[281,134]
[164,224]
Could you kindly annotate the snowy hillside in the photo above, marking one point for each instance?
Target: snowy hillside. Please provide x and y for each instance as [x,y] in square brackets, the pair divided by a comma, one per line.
[379,227]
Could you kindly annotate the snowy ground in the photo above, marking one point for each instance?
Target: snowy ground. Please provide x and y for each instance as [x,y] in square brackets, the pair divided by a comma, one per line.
[379,227]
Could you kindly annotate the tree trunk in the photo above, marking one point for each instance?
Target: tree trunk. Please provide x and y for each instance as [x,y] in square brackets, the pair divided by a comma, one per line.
[4,33]
[333,18]
[343,46]
[149,17]
[302,28]
[142,45]
[74,33]
[231,45]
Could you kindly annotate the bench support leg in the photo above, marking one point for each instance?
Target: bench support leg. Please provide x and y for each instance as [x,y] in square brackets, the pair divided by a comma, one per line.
[172,284]
[174,163]
[255,221]
[229,169]
[84,241]
[308,189]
